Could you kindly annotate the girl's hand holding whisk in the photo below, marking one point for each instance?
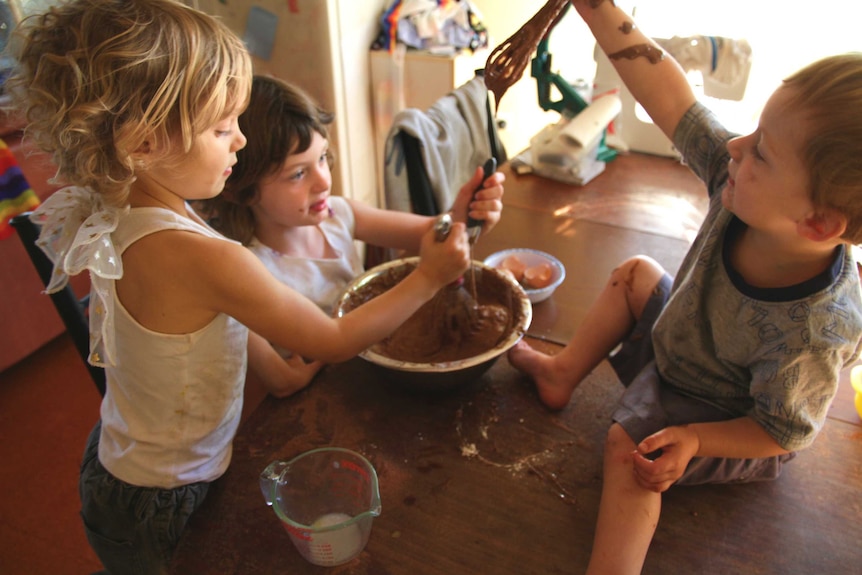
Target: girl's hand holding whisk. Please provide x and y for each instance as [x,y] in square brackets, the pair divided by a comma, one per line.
[443,262]
[480,200]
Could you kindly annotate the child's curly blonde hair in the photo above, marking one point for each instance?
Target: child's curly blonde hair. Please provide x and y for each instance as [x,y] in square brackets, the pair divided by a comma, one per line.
[98,80]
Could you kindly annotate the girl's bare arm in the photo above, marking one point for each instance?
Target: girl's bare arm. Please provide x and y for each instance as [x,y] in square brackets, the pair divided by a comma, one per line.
[238,284]
[402,230]
[280,377]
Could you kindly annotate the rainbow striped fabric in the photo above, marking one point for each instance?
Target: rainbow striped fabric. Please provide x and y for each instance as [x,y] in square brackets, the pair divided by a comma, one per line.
[16,195]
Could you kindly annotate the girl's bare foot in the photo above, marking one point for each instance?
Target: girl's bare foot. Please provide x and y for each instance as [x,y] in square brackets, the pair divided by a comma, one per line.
[552,382]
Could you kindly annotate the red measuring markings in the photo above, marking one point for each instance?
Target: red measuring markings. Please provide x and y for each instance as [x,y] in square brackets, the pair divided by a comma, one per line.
[354,467]
[303,534]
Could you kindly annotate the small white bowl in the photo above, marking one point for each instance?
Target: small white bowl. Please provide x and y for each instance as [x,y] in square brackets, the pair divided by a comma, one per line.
[533,258]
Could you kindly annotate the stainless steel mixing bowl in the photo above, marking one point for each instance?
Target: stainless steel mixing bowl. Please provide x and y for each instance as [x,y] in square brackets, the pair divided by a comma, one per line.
[444,375]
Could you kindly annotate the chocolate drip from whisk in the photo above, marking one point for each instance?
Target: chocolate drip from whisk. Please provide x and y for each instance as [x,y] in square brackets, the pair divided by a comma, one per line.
[507,62]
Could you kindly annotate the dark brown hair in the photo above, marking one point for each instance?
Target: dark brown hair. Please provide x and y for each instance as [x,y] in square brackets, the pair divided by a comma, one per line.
[281,120]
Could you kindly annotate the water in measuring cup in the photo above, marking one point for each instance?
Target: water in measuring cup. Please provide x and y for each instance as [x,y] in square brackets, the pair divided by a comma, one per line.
[334,547]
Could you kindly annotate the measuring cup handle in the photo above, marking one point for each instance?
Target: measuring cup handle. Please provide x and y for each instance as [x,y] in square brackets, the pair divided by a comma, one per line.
[269,478]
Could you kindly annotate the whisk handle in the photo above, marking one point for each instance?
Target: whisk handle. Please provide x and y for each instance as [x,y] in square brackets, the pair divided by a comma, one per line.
[475,226]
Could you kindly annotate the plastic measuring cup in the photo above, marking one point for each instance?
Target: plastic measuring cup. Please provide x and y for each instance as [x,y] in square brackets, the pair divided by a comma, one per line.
[326,499]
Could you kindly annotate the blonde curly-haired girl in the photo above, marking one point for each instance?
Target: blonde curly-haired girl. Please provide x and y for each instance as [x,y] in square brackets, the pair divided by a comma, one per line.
[137,102]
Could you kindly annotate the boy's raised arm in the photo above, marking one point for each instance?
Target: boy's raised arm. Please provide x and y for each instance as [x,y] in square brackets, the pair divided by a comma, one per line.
[654,78]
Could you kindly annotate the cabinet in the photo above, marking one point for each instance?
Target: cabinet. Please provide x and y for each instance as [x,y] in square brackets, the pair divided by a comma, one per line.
[425,77]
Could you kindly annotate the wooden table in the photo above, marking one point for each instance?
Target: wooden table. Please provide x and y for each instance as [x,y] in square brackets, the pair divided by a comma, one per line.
[485,480]
[641,204]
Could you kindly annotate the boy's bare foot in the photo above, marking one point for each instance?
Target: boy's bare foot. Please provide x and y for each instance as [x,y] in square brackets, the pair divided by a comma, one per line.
[552,382]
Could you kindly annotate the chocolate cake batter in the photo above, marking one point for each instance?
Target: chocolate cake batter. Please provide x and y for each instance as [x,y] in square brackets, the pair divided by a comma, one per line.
[431,335]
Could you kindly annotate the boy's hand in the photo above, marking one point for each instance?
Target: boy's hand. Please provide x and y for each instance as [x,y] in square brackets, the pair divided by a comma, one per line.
[661,458]
[444,261]
[485,204]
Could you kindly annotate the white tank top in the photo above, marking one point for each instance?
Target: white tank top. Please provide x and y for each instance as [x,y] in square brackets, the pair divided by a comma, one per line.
[320,280]
[173,402]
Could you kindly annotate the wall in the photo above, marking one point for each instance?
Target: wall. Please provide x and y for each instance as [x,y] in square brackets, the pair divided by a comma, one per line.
[357,27]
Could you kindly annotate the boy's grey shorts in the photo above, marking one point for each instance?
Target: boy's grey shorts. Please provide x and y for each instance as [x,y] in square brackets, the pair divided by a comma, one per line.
[648,405]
